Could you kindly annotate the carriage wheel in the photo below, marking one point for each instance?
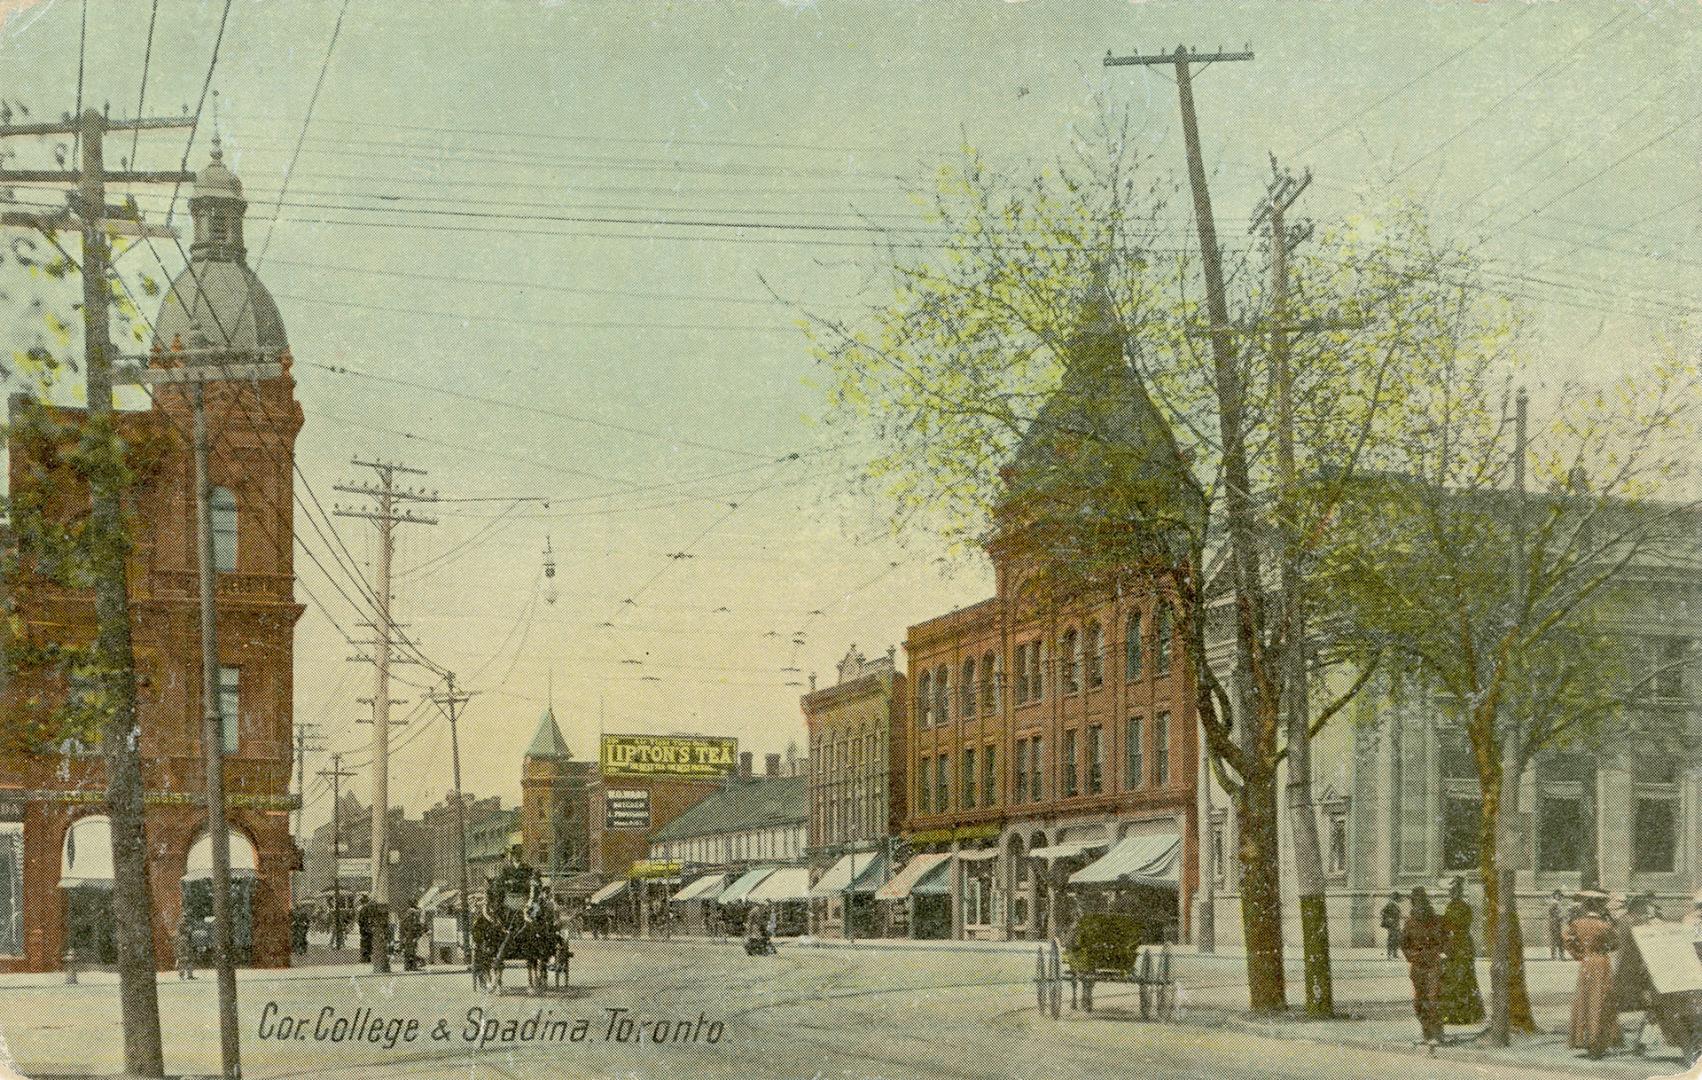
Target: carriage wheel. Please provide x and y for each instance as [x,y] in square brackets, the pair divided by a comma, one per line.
[1057,980]
[1040,978]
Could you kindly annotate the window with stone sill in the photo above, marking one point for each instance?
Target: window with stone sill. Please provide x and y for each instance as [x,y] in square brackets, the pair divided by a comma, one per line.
[968,802]
[1069,660]
[966,690]
[1163,642]
[1095,656]
[1071,780]
[989,776]
[1133,647]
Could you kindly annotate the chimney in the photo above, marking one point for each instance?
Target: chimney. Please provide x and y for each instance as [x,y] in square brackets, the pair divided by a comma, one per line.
[744,765]
[771,766]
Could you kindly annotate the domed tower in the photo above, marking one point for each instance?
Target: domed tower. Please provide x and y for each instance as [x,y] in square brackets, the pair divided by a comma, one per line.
[217,311]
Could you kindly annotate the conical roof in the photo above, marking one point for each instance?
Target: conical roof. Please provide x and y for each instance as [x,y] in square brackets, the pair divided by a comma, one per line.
[547,742]
[1099,452]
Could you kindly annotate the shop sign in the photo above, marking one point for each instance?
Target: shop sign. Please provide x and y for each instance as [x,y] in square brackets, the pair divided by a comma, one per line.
[706,757]
[626,808]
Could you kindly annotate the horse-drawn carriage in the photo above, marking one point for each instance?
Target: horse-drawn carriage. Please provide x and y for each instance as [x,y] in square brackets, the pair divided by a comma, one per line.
[519,921]
[1108,948]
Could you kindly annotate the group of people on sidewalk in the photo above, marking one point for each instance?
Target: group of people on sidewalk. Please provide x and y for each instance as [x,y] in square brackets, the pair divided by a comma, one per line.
[1441,957]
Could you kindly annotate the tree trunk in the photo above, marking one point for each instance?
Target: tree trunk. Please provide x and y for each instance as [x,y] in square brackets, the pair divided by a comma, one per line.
[1309,881]
[1519,1016]
[1261,894]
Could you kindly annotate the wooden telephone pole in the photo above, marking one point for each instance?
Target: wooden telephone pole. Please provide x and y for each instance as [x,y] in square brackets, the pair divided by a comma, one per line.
[335,774]
[450,702]
[107,544]
[386,511]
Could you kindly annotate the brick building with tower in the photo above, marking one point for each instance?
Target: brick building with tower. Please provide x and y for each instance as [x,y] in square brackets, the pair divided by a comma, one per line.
[1052,751]
[55,843]
[553,800]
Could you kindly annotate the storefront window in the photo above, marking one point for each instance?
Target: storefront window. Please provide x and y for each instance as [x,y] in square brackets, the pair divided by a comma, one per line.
[11,888]
[1560,833]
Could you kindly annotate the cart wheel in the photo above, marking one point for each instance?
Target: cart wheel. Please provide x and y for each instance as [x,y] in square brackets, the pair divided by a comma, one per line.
[1040,978]
[1057,982]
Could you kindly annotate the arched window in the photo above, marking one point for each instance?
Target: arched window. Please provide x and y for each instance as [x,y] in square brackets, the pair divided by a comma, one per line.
[1069,657]
[942,694]
[924,699]
[1095,656]
[223,505]
[966,689]
[1133,647]
[989,684]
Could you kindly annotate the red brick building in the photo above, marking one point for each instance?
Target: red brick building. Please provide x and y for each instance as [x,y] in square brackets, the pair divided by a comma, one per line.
[48,790]
[1054,729]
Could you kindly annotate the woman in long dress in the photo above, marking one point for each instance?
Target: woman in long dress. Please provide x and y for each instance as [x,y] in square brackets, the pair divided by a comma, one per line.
[1590,937]
[1461,1002]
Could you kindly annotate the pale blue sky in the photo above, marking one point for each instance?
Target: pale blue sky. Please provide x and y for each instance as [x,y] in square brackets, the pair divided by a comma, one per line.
[1564,136]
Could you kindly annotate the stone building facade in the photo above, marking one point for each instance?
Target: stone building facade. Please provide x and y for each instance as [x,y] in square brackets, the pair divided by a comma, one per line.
[857,780]
[1396,795]
[48,788]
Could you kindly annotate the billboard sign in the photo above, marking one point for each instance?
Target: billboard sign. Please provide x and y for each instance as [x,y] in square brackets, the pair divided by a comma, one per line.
[702,757]
[626,808]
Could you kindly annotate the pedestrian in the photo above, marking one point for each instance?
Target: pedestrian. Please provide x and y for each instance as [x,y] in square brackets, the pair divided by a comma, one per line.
[363,920]
[1461,1001]
[1590,938]
[1556,927]
[1633,990]
[184,948]
[410,930]
[1422,937]
[1391,923]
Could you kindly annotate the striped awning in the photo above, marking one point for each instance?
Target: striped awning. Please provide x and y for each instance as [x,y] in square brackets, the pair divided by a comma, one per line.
[870,867]
[1136,860]
[707,887]
[785,884]
[1069,849]
[739,890]
[608,892]
[905,880]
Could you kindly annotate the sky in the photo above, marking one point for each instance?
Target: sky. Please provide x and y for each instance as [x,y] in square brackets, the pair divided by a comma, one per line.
[554,251]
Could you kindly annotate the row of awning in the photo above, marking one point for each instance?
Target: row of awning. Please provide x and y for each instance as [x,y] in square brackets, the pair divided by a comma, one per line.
[1153,861]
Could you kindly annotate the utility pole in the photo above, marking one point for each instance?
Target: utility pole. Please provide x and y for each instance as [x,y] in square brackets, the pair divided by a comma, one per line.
[303,746]
[1285,190]
[386,511]
[450,702]
[336,773]
[1256,798]
[108,546]
[204,366]
[1508,835]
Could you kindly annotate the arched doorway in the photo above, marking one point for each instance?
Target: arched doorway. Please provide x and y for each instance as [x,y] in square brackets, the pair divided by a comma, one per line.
[197,888]
[85,883]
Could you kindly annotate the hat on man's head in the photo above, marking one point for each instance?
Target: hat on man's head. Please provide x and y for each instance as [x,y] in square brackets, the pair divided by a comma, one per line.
[1418,893]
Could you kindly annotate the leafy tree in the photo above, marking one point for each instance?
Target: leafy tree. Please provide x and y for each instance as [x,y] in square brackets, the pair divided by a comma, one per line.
[1511,604]
[1055,313]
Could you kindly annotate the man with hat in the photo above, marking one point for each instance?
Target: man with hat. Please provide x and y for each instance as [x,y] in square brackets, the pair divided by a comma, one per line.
[1590,937]
[1390,921]
[1422,940]
[1556,927]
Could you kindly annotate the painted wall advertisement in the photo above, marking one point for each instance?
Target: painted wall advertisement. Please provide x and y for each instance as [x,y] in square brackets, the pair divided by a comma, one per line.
[626,808]
[706,757]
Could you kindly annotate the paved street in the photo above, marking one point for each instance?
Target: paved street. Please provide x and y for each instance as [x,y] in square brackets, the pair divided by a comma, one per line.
[809,1012]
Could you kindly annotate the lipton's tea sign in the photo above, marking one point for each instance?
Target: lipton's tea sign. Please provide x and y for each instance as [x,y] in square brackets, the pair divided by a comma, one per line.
[691,756]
